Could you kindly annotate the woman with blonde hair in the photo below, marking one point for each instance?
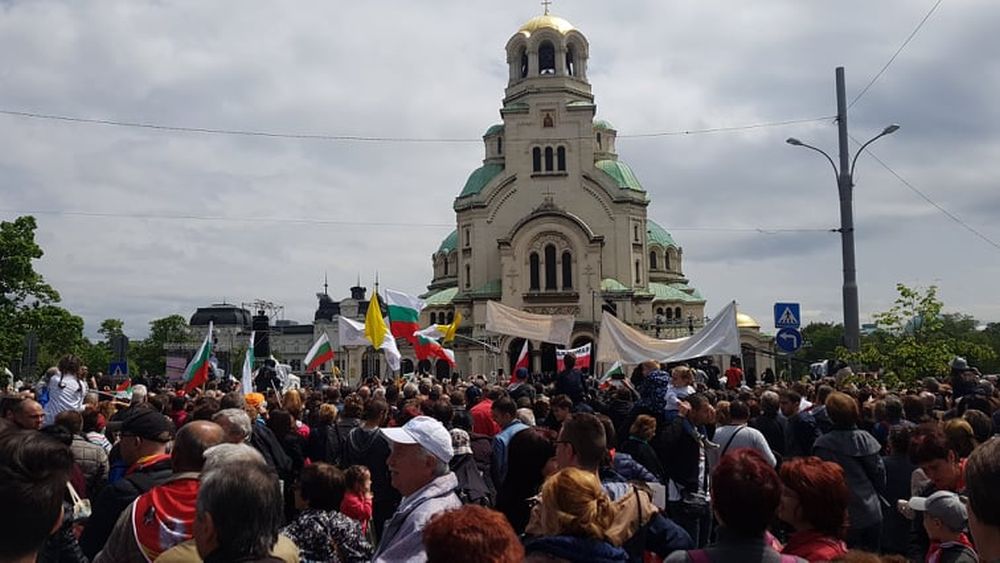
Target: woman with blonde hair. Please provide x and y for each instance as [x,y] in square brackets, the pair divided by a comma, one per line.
[575,516]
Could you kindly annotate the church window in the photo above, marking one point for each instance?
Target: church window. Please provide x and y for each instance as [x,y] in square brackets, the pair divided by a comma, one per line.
[468,276]
[548,159]
[561,159]
[659,311]
[547,121]
[670,313]
[445,265]
[666,261]
[451,317]
[635,233]
[434,318]
[567,270]
[550,267]
[524,63]
[468,238]
[652,260]
[536,159]
[571,61]
[677,313]
[598,141]
[499,145]
[638,272]
[533,267]
[546,58]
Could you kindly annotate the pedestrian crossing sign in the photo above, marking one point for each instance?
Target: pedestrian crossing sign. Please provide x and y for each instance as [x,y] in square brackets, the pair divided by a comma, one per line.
[786,315]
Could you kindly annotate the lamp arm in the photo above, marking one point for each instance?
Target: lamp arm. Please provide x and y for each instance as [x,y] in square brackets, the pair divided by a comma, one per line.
[861,149]
[836,173]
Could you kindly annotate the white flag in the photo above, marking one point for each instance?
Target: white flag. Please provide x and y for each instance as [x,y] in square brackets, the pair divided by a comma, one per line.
[248,360]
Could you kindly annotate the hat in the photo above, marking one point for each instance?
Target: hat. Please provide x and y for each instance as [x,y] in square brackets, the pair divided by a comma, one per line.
[426,432]
[460,441]
[959,363]
[148,424]
[945,506]
[521,373]
[472,394]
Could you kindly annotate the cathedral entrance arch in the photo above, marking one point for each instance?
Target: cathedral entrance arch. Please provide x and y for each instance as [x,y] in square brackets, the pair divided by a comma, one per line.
[548,358]
[424,366]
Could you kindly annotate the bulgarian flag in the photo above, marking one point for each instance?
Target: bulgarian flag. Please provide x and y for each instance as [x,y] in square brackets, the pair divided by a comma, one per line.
[320,353]
[196,373]
[522,361]
[404,314]
[426,348]
[124,389]
[247,379]
[616,369]
[444,333]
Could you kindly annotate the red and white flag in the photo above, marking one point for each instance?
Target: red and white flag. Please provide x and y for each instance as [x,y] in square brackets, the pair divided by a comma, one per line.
[582,357]
[522,362]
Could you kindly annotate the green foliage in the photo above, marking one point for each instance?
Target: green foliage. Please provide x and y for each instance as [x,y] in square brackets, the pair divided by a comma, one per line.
[149,354]
[914,339]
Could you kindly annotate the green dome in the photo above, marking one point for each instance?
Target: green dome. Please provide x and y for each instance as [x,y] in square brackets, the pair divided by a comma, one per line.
[479,178]
[655,234]
[611,284]
[664,292]
[449,243]
[620,173]
[493,130]
[604,125]
[442,297]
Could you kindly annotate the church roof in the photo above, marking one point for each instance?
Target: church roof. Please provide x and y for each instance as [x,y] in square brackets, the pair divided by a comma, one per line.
[604,125]
[611,284]
[655,234]
[479,178]
[744,320]
[494,129]
[449,243]
[221,314]
[665,292]
[620,173]
[442,297]
[547,21]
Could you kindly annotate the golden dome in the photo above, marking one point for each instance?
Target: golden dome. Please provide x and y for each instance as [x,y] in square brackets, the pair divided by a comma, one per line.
[546,21]
[744,320]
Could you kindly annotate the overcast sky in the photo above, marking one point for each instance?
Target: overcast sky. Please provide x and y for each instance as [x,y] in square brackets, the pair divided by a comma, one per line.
[126,230]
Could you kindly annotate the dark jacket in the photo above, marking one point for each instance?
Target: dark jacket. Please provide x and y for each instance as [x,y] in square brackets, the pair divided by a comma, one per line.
[773,429]
[369,447]
[631,470]
[570,382]
[571,548]
[473,487]
[857,452]
[895,526]
[274,454]
[800,435]
[679,453]
[643,453]
[114,498]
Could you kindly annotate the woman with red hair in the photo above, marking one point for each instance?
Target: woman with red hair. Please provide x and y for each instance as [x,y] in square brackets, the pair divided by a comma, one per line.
[814,501]
[472,534]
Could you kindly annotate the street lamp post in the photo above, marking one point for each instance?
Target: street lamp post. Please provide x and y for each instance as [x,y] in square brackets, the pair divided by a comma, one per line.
[845,187]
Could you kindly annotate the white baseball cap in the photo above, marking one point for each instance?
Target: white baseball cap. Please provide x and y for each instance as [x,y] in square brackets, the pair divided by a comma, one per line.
[426,432]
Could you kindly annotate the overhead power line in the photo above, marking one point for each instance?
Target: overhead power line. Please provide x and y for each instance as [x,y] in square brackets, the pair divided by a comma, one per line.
[365,138]
[337,222]
[927,198]
[894,55]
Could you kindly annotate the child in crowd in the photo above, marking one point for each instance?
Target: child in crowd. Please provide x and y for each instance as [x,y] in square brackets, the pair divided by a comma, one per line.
[681,385]
[357,501]
[945,519]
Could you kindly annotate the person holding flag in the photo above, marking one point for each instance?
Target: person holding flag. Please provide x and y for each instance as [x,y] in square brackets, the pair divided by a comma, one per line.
[196,373]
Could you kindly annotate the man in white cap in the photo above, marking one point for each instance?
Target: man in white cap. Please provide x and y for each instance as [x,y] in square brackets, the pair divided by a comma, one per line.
[418,467]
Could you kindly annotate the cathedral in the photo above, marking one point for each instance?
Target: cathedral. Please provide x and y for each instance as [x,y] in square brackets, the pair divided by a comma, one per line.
[553,221]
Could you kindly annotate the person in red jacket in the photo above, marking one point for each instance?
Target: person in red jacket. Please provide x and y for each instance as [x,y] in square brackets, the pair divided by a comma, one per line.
[482,414]
[357,501]
[814,500]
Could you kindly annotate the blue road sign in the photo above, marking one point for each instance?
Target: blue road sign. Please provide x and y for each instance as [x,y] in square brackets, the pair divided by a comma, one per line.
[786,315]
[118,369]
[788,340]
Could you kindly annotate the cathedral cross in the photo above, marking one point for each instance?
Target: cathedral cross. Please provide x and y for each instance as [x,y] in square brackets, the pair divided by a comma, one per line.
[546,4]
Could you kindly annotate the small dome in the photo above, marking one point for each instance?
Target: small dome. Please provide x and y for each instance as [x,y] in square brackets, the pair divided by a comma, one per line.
[546,21]
[744,320]
[602,125]
[655,234]
[493,130]
[449,243]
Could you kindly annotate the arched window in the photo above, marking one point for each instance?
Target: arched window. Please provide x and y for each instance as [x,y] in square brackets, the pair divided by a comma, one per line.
[677,313]
[434,318]
[546,58]
[638,271]
[499,145]
[652,260]
[561,159]
[635,233]
[571,61]
[446,265]
[598,141]
[670,313]
[468,276]
[550,267]
[567,270]
[451,317]
[536,159]
[534,268]
[524,63]
[666,261]
[548,159]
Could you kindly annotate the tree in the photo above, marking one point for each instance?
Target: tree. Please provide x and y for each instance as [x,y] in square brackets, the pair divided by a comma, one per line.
[823,339]
[110,328]
[150,354]
[913,339]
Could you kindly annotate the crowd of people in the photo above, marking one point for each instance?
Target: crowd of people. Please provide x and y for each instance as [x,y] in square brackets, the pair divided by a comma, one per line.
[673,463]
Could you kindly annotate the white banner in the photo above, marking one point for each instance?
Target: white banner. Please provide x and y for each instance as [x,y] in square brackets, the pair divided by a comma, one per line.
[556,329]
[620,342]
[351,333]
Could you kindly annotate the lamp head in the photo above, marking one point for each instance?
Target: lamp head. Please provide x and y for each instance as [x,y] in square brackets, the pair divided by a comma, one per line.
[890,129]
[793,141]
